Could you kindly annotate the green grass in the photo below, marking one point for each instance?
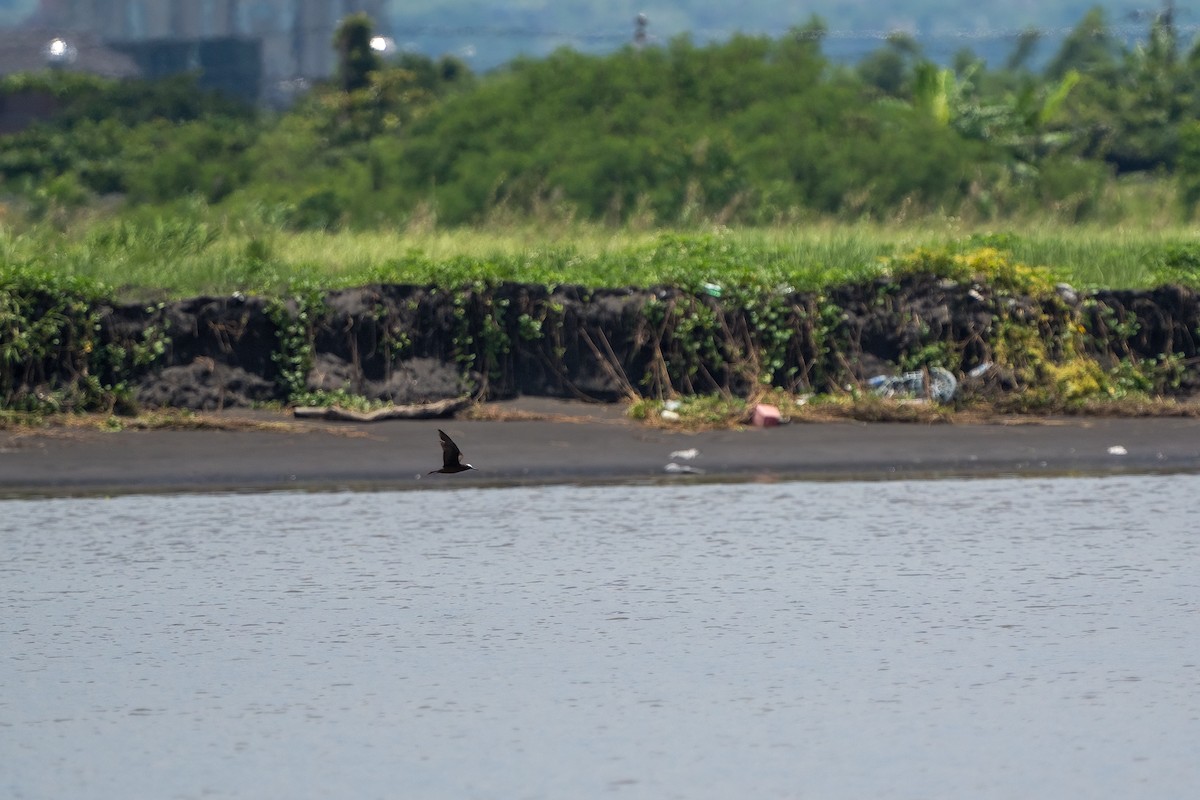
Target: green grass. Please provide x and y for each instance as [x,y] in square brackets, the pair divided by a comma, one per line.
[199,252]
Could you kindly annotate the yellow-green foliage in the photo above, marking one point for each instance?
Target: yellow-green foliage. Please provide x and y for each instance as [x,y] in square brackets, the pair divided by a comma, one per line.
[1079,378]
[1020,347]
[986,265]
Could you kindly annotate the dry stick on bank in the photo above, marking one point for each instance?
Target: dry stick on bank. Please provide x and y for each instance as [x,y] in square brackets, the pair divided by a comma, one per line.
[610,363]
[441,408]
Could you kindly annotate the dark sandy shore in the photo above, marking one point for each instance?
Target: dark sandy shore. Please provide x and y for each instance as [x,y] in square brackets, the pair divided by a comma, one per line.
[578,443]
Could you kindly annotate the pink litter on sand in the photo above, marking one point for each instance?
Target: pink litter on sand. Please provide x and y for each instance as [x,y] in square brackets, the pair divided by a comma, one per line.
[765,416]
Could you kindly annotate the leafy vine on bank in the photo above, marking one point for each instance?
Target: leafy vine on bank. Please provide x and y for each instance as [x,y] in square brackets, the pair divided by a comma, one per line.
[1011,335]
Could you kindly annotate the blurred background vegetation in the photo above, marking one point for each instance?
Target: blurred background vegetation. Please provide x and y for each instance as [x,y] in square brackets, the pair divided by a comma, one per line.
[1101,138]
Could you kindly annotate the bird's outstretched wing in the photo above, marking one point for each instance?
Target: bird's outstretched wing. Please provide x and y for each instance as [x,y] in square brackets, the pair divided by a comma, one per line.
[451,455]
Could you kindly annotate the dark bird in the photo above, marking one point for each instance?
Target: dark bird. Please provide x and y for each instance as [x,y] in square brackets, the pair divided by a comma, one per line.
[451,456]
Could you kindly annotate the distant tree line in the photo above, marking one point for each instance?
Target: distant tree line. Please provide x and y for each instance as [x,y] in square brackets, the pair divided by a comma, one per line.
[749,130]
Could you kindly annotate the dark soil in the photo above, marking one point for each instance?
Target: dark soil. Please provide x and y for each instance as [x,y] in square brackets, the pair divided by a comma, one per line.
[410,344]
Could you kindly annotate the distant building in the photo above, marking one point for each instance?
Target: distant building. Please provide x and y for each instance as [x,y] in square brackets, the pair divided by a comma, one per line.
[290,39]
[35,50]
[232,65]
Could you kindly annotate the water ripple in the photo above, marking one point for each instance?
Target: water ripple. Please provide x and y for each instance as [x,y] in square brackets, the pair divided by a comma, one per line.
[907,639]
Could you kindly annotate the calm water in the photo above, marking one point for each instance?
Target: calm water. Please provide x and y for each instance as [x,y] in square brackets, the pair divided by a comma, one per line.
[952,639]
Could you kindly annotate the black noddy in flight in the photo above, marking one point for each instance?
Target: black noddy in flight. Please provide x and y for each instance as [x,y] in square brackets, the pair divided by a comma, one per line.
[451,456]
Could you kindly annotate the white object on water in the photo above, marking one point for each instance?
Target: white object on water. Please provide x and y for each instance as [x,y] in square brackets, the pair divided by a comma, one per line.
[686,455]
[1117,450]
[682,469]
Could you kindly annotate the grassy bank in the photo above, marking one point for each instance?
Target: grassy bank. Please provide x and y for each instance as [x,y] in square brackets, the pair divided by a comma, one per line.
[159,255]
[745,311]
